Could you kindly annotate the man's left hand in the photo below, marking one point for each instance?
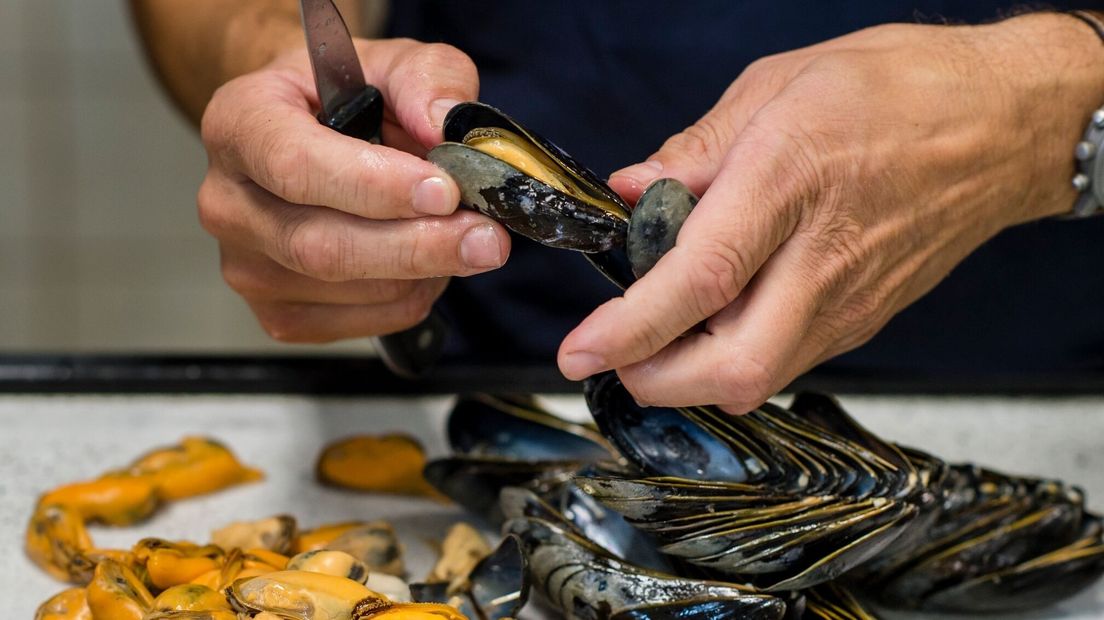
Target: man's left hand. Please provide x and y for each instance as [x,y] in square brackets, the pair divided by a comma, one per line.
[840,183]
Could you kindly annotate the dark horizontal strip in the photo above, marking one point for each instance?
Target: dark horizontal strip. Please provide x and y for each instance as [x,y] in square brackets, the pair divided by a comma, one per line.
[339,375]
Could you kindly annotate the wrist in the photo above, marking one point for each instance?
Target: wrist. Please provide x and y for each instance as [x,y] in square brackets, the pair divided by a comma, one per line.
[255,37]
[1050,72]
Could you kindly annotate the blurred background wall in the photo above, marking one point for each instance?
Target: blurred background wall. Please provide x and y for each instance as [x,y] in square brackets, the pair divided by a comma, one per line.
[100,249]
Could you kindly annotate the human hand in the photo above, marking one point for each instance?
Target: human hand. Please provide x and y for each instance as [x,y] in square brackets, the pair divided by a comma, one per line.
[327,236]
[841,182]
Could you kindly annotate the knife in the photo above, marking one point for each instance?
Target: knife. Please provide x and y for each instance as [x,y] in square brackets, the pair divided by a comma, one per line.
[355,108]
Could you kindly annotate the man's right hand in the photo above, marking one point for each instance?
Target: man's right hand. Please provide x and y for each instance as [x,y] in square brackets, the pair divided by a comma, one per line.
[330,237]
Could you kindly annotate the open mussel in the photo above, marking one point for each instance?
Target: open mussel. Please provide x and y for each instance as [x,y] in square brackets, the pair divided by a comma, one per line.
[487,425]
[501,442]
[534,188]
[790,499]
[770,446]
[767,497]
[1000,543]
[583,581]
[801,506]
[579,513]
[529,184]
[496,588]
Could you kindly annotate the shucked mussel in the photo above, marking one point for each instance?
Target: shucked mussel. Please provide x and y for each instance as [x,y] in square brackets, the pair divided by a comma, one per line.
[533,187]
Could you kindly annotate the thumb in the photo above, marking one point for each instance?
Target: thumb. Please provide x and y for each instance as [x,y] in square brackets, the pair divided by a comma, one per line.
[421,82]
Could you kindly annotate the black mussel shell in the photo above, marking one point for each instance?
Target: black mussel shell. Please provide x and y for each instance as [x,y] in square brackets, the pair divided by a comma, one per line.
[655,223]
[521,202]
[475,482]
[1001,543]
[705,609]
[584,581]
[496,588]
[486,425]
[583,515]
[614,264]
[663,441]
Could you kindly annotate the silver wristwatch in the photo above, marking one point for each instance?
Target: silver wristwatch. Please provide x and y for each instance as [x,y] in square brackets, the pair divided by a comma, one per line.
[1089,180]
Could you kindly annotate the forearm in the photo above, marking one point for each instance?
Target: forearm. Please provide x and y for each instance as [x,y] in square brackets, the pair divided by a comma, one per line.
[197,45]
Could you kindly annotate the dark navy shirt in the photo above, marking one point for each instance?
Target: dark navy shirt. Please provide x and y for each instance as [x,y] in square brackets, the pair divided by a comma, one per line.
[610,80]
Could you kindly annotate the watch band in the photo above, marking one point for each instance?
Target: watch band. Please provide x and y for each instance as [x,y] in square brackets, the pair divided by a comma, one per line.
[1094,21]
[1089,178]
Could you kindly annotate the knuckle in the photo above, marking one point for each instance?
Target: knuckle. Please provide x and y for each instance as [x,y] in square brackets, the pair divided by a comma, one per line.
[862,307]
[745,383]
[372,180]
[853,323]
[285,323]
[286,164]
[213,129]
[436,55]
[412,257]
[415,307]
[390,291]
[837,256]
[322,252]
[702,140]
[238,277]
[793,164]
[641,390]
[226,117]
[209,207]
[763,65]
[722,271]
[650,337]
[247,281]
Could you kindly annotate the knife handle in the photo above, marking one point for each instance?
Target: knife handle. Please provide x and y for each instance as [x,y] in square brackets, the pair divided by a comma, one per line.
[411,352]
[362,117]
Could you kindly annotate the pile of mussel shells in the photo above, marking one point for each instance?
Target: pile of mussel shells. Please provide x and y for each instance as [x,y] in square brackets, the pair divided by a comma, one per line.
[692,513]
[795,512]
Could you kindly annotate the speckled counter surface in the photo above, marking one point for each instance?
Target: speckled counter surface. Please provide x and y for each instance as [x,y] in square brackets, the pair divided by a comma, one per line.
[47,441]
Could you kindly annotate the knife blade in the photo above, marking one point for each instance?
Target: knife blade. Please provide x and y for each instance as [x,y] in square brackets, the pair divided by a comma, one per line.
[355,108]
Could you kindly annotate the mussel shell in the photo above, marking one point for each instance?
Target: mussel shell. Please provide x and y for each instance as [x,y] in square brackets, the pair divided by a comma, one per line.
[663,441]
[1042,581]
[581,514]
[522,203]
[486,425]
[497,587]
[615,265]
[1001,536]
[832,601]
[583,581]
[500,581]
[710,608]
[656,221]
[475,482]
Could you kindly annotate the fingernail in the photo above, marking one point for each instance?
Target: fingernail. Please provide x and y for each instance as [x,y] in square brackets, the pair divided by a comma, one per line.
[581,364]
[643,173]
[433,196]
[480,248]
[439,109]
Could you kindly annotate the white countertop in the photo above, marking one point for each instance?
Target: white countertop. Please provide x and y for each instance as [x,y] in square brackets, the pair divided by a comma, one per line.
[48,441]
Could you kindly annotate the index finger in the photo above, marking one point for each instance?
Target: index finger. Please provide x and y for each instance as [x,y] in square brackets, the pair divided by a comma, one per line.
[265,132]
[740,221]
